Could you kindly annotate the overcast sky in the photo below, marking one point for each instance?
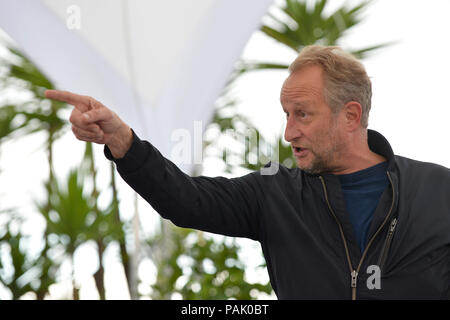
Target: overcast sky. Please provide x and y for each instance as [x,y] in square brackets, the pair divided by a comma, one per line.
[410,108]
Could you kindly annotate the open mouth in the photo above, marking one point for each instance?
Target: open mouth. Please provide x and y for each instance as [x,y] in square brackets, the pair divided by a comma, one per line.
[299,151]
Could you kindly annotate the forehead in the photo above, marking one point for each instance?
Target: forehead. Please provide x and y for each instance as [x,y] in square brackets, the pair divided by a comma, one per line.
[303,84]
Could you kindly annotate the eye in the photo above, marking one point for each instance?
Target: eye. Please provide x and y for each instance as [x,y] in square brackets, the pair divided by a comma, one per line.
[298,114]
[302,114]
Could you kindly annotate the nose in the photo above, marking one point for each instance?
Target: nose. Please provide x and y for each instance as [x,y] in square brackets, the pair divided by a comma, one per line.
[292,132]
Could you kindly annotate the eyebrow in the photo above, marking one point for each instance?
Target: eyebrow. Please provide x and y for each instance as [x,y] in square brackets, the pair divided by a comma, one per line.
[306,104]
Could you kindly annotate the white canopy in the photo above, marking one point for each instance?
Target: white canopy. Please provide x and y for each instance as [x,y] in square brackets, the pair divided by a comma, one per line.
[158,64]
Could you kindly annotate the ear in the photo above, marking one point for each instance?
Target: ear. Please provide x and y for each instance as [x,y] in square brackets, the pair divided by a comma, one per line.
[352,113]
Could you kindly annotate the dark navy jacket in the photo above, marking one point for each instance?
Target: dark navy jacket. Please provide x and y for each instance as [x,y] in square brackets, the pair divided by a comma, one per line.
[303,227]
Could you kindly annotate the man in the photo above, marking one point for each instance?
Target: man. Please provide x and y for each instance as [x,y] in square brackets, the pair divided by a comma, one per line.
[353,221]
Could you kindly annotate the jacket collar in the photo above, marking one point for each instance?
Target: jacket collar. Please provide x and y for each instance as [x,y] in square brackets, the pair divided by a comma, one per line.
[380,145]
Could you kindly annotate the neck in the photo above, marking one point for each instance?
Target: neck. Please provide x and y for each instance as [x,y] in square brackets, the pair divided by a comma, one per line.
[357,156]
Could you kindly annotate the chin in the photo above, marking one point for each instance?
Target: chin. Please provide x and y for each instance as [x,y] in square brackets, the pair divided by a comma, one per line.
[304,166]
[310,168]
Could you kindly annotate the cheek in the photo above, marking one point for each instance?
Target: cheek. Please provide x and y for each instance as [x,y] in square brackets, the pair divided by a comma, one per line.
[318,135]
[322,140]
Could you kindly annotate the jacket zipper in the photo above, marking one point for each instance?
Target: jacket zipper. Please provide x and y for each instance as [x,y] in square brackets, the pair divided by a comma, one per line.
[353,272]
[387,244]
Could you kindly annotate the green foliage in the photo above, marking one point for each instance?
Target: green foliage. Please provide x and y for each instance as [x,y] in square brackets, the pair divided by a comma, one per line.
[303,24]
[36,114]
[72,216]
[8,121]
[106,226]
[199,268]
[24,272]
[30,73]
[19,263]
[299,23]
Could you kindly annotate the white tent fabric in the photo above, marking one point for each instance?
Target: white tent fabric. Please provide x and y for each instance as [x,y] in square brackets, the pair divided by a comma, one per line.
[158,64]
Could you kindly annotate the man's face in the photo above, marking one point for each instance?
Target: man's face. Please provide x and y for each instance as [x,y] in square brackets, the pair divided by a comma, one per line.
[311,126]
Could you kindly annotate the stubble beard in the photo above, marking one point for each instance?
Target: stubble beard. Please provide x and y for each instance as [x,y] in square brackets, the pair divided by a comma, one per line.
[323,161]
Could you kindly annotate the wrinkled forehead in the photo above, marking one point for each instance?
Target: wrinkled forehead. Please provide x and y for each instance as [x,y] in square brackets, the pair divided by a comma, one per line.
[305,82]
[299,93]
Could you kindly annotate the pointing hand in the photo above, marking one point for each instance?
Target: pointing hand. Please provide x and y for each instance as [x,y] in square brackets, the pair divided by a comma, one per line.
[94,122]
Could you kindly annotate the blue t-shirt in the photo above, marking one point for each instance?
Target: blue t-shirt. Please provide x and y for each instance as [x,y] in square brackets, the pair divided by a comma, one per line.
[362,191]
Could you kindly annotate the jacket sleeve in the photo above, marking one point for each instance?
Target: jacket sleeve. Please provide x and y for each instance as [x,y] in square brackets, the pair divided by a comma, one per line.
[219,205]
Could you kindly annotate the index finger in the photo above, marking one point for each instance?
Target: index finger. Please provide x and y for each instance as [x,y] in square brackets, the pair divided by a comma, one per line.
[79,101]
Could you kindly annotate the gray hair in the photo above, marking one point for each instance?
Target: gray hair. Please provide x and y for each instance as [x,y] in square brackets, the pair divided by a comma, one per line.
[345,77]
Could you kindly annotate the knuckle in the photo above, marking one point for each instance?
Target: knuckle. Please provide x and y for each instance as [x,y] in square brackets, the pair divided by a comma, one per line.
[96,104]
[76,121]
[74,116]
[86,122]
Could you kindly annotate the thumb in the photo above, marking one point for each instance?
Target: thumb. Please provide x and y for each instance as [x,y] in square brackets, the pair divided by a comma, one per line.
[95,115]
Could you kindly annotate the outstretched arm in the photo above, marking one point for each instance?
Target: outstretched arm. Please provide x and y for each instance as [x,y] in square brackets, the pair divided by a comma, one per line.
[220,205]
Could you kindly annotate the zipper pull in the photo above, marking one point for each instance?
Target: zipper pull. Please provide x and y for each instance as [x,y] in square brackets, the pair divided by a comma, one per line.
[354,277]
[393,224]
